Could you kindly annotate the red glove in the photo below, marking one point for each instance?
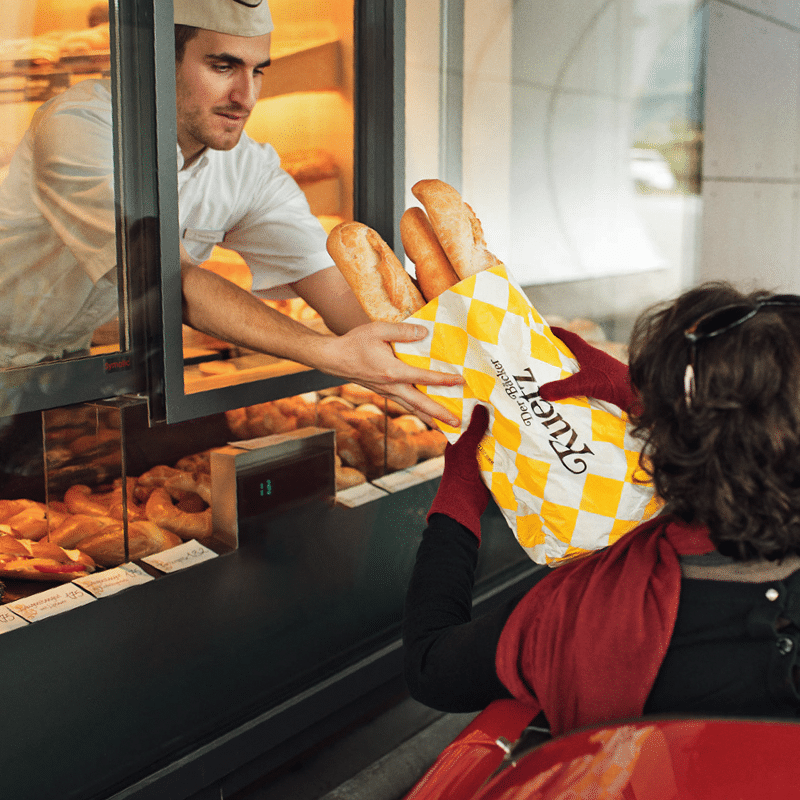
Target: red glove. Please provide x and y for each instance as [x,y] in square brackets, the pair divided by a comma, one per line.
[462,494]
[601,375]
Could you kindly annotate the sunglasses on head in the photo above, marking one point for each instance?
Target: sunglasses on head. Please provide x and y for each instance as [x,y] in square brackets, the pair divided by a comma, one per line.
[720,321]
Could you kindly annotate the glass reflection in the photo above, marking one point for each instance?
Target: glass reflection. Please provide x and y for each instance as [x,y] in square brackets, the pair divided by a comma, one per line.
[591,113]
[58,278]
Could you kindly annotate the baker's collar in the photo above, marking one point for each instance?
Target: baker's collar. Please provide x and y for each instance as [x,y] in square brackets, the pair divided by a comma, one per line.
[199,163]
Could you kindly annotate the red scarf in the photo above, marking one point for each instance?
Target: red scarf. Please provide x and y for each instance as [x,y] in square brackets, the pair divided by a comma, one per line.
[585,644]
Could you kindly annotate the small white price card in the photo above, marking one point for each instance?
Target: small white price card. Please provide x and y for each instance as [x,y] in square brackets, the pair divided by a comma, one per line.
[405,478]
[358,495]
[111,581]
[9,620]
[180,557]
[51,602]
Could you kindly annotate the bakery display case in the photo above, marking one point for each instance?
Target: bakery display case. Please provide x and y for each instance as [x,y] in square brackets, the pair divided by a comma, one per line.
[216,543]
[46,359]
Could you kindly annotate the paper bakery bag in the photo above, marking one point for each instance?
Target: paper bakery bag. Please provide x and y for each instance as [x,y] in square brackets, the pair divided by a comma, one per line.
[565,474]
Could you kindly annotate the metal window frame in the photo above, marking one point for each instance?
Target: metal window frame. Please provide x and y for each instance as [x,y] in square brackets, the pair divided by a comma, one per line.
[59,383]
[379,31]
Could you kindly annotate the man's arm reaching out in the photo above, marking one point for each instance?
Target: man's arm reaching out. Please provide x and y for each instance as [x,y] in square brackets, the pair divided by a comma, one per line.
[361,352]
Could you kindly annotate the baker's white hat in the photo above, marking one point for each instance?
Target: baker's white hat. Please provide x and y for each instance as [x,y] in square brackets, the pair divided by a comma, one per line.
[236,17]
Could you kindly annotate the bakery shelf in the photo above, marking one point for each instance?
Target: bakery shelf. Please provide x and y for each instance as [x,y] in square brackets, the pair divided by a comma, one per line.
[195,381]
[33,80]
[303,66]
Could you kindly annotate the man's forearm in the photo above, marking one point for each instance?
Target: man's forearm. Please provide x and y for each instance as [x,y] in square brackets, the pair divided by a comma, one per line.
[363,353]
[214,305]
[329,294]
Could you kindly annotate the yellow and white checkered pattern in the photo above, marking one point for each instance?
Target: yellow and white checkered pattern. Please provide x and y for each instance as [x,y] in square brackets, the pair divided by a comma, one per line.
[562,473]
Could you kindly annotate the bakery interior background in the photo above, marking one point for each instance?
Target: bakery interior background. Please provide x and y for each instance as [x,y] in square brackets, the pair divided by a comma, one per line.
[617,150]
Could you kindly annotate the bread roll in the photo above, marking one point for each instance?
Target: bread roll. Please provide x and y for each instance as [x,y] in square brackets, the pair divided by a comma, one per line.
[435,273]
[78,527]
[429,443]
[383,287]
[457,228]
[163,512]
[107,547]
[34,522]
[347,477]
[310,165]
[80,499]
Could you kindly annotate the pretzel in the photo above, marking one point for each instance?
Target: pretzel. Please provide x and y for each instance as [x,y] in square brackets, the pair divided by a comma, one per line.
[197,462]
[162,511]
[151,479]
[185,483]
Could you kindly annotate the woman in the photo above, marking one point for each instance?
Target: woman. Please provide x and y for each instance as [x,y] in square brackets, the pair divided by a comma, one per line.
[696,611]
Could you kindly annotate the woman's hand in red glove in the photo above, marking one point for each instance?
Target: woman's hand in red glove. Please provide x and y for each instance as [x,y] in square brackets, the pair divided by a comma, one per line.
[462,494]
[601,376]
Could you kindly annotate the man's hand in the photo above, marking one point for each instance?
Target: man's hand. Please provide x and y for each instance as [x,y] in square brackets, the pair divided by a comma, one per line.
[364,355]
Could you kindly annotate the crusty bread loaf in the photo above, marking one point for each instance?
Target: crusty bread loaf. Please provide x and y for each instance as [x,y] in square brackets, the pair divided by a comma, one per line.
[78,527]
[435,273]
[383,287]
[457,228]
[309,165]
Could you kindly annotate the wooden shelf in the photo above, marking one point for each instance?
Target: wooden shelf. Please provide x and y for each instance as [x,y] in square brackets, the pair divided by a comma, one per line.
[315,66]
[39,81]
[196,381]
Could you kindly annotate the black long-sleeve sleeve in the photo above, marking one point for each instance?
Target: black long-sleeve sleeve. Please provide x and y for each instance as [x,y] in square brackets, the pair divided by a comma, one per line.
[449,656]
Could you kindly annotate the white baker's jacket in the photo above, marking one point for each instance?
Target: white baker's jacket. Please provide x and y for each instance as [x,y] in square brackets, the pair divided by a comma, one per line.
[57,224]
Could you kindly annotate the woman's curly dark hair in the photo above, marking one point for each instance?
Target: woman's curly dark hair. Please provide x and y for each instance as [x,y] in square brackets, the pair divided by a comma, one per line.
[731,459]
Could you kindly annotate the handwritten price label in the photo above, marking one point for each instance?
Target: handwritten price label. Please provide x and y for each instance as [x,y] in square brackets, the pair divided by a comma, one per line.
[53,601]
[111,581]
[180,557]
[9,621]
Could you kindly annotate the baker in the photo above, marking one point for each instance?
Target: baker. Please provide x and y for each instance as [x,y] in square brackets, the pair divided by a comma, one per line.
[58,238]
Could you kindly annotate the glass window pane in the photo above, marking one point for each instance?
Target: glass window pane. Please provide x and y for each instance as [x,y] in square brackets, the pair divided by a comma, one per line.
[59,295]
[573,129]
[305,112]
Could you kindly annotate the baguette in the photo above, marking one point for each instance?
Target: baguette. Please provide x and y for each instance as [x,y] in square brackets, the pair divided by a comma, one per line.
[435,273]
[457,228]
[383,287]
